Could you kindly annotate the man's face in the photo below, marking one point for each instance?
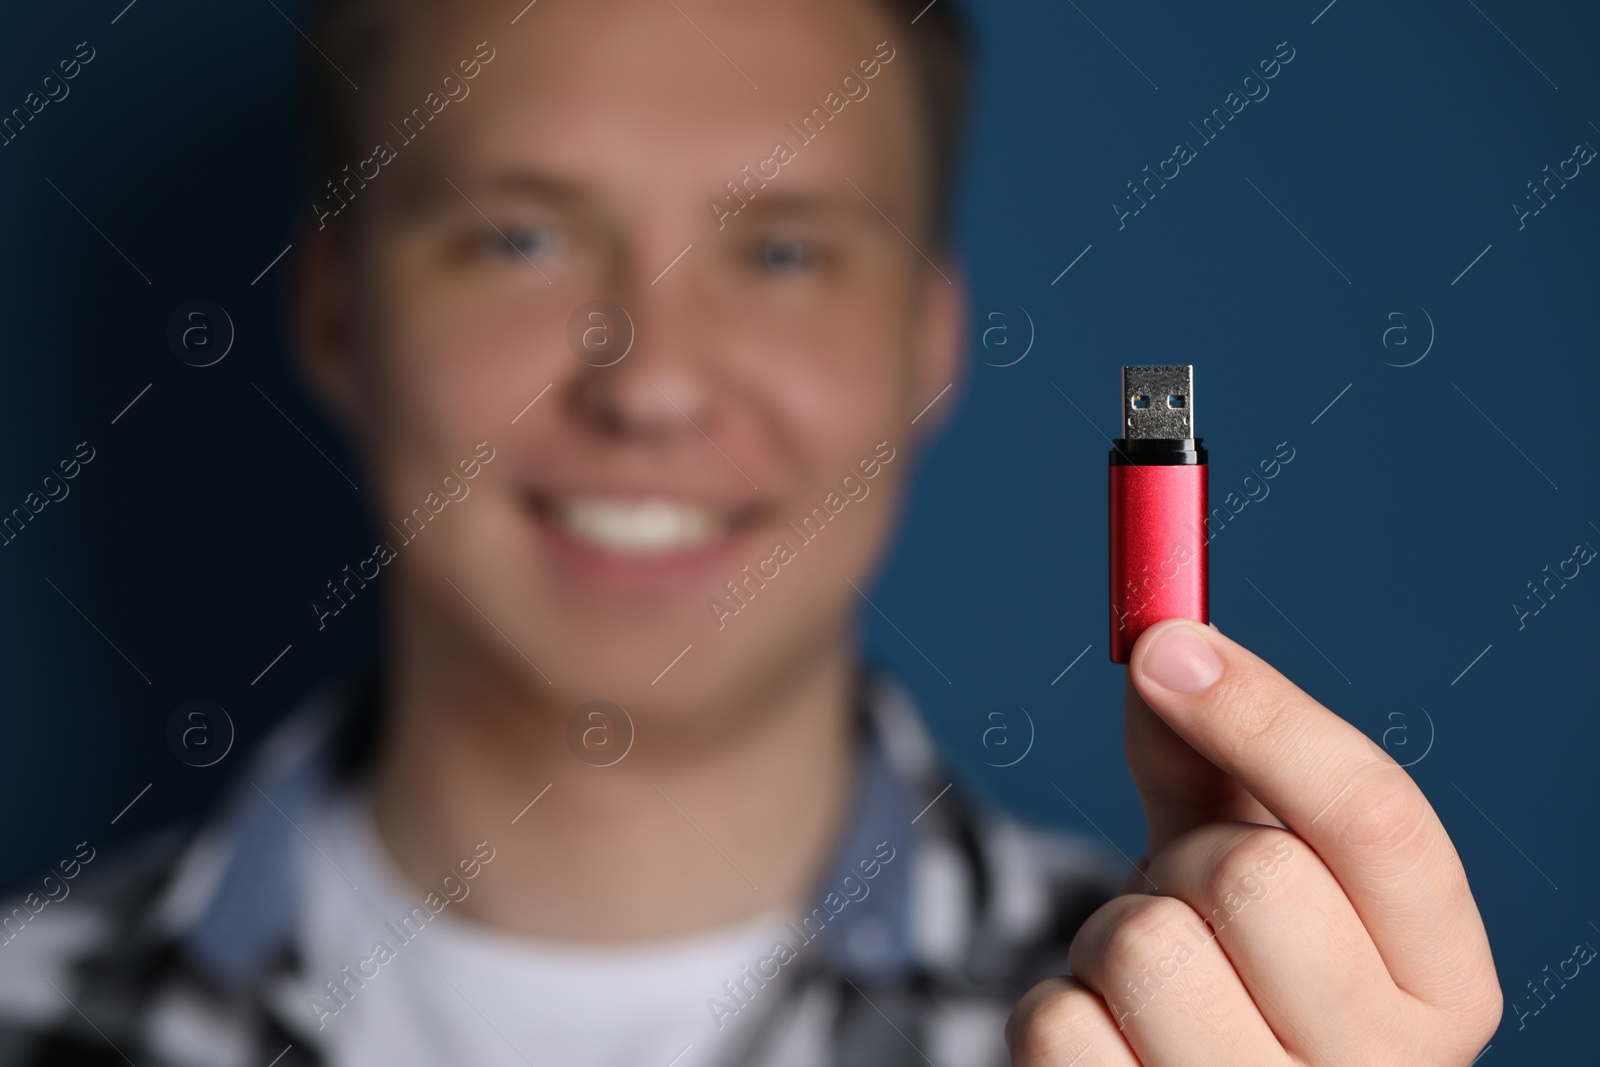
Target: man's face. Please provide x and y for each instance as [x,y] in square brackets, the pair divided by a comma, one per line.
[777,356]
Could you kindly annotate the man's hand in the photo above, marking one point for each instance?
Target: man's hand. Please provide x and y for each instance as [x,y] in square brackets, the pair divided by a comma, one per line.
[1301,904]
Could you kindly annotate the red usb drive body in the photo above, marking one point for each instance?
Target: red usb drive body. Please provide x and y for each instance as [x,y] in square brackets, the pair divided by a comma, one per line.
[1158,505]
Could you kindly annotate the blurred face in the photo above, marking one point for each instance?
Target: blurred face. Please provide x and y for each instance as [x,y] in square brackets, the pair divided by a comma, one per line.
[738,411]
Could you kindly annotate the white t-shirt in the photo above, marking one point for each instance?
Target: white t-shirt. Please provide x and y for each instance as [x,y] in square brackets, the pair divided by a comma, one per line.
[447,990]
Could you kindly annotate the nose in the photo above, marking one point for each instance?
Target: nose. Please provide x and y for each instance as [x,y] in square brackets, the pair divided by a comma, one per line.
[648,369]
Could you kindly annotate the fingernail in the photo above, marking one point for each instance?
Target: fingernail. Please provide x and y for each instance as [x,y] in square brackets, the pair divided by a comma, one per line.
[1182,660]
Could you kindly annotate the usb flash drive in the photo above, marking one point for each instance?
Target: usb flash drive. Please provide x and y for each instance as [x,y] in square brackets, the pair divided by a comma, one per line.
[1159,565]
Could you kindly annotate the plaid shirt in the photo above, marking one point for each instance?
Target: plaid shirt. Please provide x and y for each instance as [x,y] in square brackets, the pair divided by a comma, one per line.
[182,953]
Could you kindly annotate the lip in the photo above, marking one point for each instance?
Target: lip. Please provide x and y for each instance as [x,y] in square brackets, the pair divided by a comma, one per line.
[666,571]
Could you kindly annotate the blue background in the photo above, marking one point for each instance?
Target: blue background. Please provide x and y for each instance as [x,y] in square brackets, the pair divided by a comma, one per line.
[1385,558]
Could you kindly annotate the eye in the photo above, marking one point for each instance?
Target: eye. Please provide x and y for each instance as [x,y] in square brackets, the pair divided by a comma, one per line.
[785,255]
[521,241]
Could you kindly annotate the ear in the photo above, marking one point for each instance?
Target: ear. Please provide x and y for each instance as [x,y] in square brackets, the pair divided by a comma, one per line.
[942,356]
[323,317]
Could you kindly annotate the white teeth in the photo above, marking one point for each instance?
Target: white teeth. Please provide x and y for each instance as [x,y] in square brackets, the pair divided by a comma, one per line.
[638,527]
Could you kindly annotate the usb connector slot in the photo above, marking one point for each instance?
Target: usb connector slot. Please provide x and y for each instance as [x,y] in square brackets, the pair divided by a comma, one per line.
[1157,403]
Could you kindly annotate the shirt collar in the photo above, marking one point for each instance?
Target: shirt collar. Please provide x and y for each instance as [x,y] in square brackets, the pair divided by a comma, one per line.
[231,903]
[865,894]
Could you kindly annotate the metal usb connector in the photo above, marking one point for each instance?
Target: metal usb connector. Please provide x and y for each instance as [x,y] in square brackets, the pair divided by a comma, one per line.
[1157,403]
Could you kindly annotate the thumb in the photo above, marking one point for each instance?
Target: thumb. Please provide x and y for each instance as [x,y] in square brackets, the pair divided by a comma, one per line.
[1179,788]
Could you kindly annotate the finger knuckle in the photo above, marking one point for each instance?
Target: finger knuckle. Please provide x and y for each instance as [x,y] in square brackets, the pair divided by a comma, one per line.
[1145,930]
[1487,1019]
[1245,867]
[1044,1026]
[1384,815]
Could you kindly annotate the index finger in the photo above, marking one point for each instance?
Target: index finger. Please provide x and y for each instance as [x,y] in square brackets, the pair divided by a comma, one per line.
[1333,787]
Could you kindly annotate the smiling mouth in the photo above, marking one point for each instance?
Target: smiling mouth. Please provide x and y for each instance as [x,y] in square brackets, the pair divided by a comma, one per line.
[640,527]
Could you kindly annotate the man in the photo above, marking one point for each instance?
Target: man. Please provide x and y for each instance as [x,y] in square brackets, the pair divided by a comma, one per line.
[630,310]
